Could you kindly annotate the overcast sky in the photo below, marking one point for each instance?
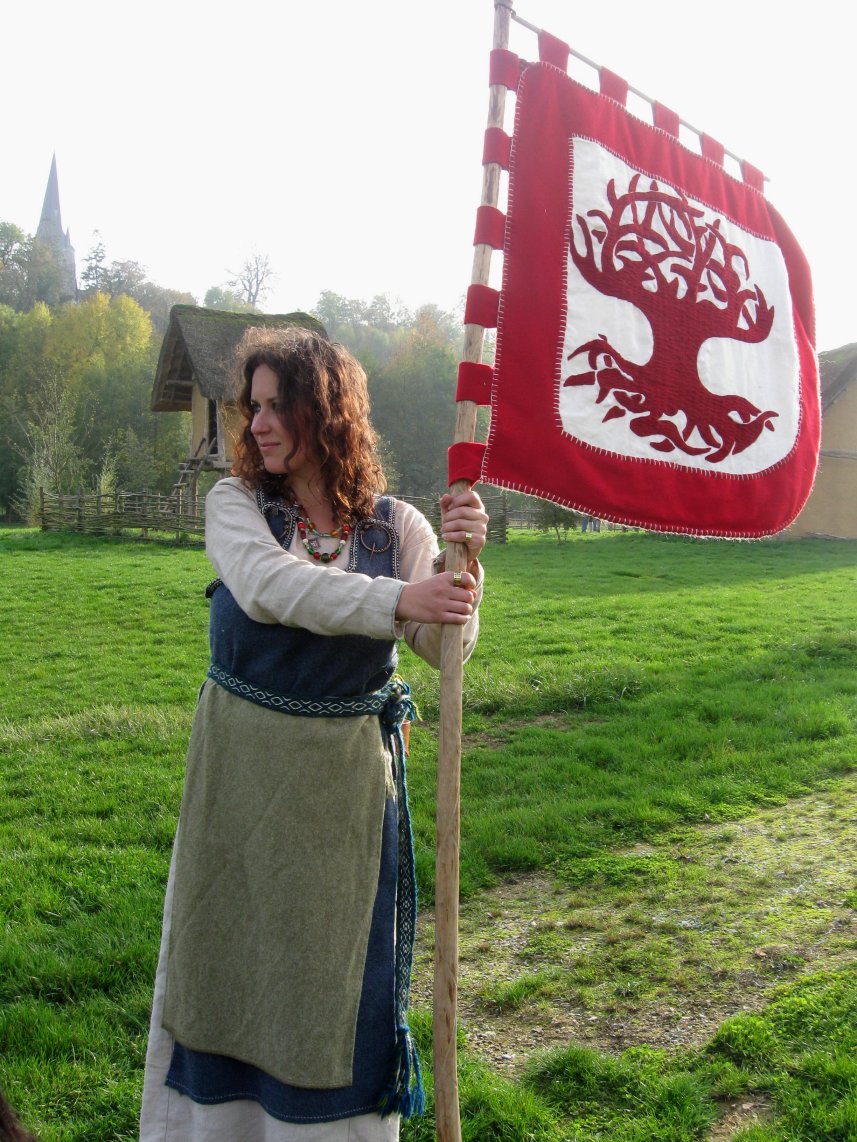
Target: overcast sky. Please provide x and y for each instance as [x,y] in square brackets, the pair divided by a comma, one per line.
[344,139]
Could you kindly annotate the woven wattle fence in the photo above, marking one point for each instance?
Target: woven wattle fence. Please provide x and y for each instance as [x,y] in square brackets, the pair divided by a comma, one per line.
[501,515]
[145,513]
[123,513]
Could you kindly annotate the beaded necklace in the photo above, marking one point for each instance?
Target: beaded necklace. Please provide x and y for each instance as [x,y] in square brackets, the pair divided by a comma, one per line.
[310,536]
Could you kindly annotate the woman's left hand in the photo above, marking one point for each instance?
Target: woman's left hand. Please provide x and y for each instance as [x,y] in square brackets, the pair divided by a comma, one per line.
[463,519]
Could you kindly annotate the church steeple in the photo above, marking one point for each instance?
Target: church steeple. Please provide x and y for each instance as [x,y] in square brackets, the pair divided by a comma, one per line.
[50,223]
[51,234]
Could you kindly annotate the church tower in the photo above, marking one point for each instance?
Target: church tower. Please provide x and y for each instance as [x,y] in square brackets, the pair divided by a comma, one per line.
[51,235]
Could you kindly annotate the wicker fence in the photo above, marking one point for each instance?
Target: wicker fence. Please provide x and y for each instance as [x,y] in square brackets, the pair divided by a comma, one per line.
[179,516]
[495,504]
[144,514]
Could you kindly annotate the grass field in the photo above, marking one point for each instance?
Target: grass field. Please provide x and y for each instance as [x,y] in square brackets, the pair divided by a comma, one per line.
[657,816]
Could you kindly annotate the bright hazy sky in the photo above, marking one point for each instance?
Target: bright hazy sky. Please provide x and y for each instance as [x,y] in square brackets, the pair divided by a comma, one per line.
[343,139]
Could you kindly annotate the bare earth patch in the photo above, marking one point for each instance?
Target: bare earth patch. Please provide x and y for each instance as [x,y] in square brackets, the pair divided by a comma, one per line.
[728,913]
[737,1116]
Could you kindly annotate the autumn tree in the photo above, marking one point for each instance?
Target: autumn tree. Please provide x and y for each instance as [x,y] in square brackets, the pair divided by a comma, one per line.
[75,379]
[75,388]
[15,250]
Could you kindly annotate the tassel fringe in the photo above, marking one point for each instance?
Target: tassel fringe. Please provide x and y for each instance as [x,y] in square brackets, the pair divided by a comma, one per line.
[405,1094]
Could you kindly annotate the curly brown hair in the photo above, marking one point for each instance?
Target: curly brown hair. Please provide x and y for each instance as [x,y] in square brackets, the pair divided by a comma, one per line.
[11,1129]
[324,403]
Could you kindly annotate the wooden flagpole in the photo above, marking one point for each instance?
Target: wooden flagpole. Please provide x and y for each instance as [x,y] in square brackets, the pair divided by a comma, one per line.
[447,1117]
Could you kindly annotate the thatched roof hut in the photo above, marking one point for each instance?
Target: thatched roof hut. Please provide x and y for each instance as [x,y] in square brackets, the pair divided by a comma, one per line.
[198,348]
[831,510]
[193,376]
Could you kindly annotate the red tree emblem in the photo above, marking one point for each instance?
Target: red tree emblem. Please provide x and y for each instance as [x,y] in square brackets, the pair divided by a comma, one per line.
[656,250]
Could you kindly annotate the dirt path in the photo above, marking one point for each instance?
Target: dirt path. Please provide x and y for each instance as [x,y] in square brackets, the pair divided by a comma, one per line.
[693,931]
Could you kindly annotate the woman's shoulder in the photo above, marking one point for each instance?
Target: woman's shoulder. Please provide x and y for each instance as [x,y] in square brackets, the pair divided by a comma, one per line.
[229,500]
[230,488]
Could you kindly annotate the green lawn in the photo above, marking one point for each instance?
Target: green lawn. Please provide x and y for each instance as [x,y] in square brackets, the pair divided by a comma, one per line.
[627,689]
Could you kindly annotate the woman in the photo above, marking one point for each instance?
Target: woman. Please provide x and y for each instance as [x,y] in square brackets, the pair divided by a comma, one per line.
[280,1008]
[11,1129]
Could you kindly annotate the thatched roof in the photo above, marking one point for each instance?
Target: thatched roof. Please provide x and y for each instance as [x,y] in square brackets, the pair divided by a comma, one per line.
[838,371]
[198,349]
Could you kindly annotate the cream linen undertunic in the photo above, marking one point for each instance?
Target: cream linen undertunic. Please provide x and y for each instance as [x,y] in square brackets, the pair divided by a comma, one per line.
[274,586]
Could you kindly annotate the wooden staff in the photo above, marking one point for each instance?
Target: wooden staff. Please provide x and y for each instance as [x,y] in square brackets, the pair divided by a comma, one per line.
[451,675]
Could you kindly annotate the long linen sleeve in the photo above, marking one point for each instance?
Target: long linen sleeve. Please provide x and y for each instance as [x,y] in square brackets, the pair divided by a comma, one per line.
[276,586]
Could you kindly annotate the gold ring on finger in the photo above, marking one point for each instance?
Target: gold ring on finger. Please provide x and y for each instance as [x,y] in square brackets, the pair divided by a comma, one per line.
[468,535]
[456,578]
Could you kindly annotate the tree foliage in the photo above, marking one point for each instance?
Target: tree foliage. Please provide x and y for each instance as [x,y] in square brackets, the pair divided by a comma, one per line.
[411,360]
[158,301]
[75,386]
[76,378]
[221,297]
[30,270]
[123,277]
[128,278]
[45,276]
[559,520]
[52,458]
[15,252]
[413,403]
[92,275]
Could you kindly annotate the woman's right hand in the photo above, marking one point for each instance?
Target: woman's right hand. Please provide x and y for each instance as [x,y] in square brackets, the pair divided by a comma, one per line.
[437,600]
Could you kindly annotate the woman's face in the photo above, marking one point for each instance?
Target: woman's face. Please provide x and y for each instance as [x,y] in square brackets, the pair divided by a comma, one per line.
[274,440]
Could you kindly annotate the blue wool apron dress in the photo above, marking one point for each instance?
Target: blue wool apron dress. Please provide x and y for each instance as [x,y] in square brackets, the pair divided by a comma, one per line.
[293,914]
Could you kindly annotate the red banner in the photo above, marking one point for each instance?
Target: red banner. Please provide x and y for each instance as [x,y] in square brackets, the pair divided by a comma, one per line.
[655,337]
